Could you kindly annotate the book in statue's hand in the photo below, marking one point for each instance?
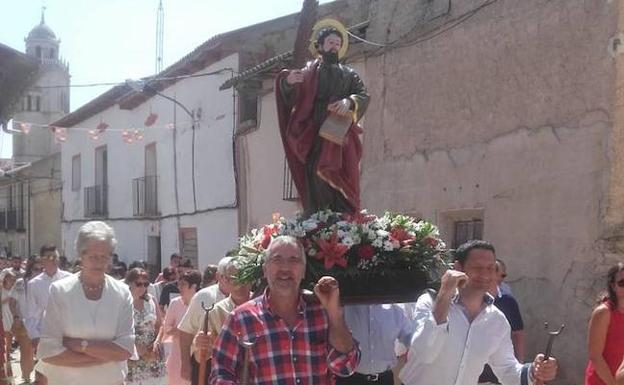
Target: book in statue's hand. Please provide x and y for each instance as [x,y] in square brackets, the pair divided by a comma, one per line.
[335,127]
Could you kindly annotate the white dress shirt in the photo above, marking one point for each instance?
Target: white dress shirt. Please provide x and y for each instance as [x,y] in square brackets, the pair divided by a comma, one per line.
[376,328]
[37,297]
[70,314]
[454,352]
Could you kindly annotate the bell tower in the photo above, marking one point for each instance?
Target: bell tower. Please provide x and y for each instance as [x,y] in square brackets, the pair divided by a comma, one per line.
[48,99]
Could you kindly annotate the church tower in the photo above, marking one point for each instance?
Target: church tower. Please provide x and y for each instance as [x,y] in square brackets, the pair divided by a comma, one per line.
[47,100]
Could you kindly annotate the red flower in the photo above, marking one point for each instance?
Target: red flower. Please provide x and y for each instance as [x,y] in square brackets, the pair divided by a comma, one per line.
[267,232]
[358,218]
[332,251]
[366,252]
[400,235]
[430,241]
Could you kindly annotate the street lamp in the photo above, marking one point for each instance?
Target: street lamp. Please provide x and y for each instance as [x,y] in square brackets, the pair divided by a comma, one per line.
[143,87]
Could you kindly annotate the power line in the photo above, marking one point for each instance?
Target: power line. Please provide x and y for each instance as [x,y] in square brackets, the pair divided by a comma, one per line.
[402,41]
[154,79]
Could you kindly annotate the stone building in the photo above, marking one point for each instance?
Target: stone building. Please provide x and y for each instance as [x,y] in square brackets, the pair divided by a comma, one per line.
[498,120]
[502,117]
[30,200]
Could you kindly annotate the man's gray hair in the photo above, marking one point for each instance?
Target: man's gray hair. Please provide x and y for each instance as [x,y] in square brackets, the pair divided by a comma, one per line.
[223,265]
[95,231]
[286,240]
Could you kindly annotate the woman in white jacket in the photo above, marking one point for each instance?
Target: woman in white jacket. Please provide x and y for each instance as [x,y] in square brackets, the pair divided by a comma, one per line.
[87,334]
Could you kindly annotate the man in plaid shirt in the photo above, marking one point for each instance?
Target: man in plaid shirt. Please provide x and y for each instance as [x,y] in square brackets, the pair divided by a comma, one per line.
[295,341]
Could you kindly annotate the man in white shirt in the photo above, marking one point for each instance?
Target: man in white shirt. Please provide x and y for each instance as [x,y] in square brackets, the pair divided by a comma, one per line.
[39,289]
[460,330]
[191,323]
[15,267]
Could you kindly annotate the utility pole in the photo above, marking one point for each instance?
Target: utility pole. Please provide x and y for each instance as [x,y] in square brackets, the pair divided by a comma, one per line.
[160,33]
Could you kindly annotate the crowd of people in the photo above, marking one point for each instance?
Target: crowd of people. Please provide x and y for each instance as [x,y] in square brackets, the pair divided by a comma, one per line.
[111,324]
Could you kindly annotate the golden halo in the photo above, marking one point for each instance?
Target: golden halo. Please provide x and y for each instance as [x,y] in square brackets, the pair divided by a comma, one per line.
[325,23]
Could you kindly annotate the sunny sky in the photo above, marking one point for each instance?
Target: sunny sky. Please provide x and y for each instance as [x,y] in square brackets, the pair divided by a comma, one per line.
[114,40]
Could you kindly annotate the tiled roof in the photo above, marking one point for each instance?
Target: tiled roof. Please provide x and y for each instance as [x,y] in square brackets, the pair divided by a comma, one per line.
[265,66]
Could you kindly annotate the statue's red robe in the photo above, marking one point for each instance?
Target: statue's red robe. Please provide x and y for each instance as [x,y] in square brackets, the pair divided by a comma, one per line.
[301,111]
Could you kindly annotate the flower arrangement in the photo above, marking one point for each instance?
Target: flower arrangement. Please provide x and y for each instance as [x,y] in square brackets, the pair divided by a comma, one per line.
[352,248]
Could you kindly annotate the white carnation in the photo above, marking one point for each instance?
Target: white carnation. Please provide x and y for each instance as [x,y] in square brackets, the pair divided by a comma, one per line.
[347,241]
[310,224]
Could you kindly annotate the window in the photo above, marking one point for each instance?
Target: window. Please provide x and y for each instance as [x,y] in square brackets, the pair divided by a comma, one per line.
[189,244]
[76,173]
[101,166]
[51,53]
[38,52]
[248,105]
[64,102]
[37,103]
[460,225]
[28,103]
[289,191]
[467,230]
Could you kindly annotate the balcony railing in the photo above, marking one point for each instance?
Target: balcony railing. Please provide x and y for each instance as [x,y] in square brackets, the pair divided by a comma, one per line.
[289,191]
[96,201]
[145,196]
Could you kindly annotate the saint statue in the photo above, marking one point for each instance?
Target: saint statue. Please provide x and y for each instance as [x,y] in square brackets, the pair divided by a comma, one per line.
[319,108]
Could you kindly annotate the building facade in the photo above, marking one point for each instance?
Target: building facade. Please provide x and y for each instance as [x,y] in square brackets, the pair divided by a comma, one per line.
[169,186]
[496,120]
[30,199]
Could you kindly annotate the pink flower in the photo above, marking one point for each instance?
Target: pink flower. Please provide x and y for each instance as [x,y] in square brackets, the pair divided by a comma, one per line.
[401,236]
[332,251]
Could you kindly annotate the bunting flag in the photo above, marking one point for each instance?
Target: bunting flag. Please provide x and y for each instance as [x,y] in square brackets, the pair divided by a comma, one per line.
[151,119]
[101,127]
[128,135]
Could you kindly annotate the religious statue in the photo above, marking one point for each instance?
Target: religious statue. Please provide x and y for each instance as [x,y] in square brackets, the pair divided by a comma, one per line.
[319,107]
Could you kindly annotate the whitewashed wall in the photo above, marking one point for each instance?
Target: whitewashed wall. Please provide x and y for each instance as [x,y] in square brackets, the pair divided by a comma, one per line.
[214,176]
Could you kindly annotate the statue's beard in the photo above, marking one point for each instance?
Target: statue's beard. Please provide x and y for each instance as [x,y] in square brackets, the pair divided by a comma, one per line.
[330,57]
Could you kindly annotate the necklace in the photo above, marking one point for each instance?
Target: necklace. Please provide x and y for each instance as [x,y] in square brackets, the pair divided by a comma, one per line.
[91,288]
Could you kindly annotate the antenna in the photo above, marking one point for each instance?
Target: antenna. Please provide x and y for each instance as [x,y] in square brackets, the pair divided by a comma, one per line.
[160,32]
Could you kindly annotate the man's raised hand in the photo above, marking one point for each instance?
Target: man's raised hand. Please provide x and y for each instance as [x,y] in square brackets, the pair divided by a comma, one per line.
[452,280]
[326,289]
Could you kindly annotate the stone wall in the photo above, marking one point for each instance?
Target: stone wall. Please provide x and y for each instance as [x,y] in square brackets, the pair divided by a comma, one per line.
[504,109]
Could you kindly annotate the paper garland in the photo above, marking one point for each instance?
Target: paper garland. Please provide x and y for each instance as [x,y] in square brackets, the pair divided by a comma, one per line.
[129,135]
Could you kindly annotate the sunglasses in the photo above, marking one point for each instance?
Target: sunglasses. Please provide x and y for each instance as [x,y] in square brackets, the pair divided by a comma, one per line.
[620,283]
[139,284]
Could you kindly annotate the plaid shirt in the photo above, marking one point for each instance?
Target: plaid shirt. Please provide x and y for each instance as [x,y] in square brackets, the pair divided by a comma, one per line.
[301,356]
